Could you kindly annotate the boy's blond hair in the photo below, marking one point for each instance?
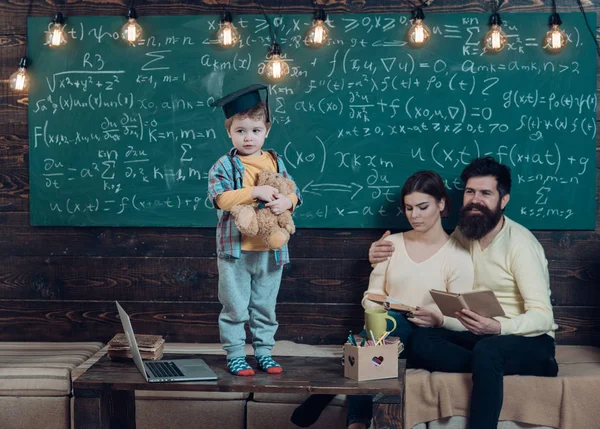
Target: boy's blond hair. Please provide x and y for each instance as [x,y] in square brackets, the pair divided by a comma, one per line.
[256,113]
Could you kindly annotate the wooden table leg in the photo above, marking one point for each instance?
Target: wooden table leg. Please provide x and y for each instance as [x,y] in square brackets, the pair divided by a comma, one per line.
[103,409]
[388,412]
[122,407]
[91,409]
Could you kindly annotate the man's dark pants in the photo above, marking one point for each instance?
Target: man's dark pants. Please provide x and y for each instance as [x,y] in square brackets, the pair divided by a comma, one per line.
[488,357]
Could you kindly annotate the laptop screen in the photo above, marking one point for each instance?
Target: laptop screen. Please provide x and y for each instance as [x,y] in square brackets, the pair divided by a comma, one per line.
[128,329]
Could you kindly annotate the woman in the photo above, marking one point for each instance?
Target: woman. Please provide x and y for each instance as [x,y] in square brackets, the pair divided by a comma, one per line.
[425,258]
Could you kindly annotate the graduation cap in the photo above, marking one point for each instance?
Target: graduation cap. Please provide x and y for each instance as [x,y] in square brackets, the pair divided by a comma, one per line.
[243,99]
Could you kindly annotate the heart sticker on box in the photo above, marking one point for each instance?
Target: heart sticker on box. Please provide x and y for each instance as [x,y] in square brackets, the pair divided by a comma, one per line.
[378,360]
[351,360]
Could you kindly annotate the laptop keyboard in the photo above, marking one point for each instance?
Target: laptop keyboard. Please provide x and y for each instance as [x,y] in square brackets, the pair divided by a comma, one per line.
[164,369]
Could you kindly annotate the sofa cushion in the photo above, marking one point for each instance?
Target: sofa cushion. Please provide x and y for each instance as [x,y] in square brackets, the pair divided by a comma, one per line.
[27,412]
[260,415]
[39,368]
[293,398]
[166,414]
[568,401]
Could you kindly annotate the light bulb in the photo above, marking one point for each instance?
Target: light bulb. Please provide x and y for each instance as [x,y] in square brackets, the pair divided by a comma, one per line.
[19,81]
[131,32]
[418,33]
[55,35]
[555,39]
[276,68]
[227,35]
[318,34]
[495,39]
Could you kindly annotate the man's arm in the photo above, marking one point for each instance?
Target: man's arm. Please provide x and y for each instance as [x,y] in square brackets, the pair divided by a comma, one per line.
[530,270]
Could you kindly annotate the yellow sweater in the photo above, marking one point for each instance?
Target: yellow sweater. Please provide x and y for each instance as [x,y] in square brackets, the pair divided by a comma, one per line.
[515,268]
[252,166]
[449,269]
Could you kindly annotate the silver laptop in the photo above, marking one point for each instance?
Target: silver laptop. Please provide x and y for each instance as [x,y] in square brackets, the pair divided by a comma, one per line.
[164,370]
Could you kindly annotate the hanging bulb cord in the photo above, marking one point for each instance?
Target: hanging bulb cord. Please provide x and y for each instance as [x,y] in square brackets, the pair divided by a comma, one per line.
[418,8]
[495,17]
[555,17]
[25,57]
[592,32]
[272,31]
[319,11]
[226,7]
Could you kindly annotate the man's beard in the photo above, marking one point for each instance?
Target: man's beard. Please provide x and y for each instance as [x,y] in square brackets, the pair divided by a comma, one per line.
[476,226]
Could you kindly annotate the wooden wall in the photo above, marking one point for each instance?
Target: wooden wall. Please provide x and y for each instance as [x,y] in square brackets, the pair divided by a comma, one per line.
[60,283]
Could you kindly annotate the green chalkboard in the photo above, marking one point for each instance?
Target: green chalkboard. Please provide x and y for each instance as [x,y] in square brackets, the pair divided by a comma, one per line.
[124,136]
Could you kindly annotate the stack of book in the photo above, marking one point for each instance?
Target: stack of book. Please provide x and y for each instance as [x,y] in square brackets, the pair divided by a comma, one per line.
[151,347]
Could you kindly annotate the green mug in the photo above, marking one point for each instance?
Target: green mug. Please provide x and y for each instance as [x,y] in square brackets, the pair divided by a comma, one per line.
[376,322]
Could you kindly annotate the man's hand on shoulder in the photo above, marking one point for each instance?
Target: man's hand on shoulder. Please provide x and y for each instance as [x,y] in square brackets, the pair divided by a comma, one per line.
[477,324]
[381,250]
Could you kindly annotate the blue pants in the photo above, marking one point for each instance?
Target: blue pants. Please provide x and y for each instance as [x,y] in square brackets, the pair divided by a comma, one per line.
[489,358]
[360,407]
[248,289]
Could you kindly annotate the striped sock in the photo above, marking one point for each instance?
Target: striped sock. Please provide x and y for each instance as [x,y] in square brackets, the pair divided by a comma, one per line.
[268,365]
[239,366]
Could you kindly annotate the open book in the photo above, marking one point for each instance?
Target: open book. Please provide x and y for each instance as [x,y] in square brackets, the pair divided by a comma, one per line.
[394,304]
[482,302]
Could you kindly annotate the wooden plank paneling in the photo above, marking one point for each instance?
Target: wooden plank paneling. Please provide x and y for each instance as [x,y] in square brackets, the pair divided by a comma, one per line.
[334,281]
[197,322]
[18,239]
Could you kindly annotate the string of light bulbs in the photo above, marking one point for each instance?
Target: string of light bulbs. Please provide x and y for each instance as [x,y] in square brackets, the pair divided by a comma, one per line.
[56,35]
[19,80]
[318,34]
[227,35]
[277,68]
[418,33]
[131,32]
[555,39]
[495,39]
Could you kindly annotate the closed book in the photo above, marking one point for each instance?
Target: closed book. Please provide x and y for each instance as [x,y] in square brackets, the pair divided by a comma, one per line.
[126,354]
[144,342]
[481,301]
[393,303]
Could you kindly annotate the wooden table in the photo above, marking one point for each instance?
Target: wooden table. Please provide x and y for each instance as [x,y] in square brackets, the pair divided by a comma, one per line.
[105,394]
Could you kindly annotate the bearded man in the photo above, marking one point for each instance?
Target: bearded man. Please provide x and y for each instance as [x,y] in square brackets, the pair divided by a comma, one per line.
[510,261]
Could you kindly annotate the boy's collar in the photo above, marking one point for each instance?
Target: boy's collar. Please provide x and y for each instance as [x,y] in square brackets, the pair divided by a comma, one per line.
[234,153]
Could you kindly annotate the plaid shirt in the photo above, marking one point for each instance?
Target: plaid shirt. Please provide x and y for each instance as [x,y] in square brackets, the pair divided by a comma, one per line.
[228,175]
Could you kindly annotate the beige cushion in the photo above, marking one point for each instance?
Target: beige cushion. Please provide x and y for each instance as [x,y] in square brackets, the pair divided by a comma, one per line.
[568,401]
[293,398]
[165,414]
[27,412]
[40,368]
[260,415]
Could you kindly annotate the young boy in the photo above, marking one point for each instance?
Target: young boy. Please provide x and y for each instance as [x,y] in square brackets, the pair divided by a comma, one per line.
[249,273]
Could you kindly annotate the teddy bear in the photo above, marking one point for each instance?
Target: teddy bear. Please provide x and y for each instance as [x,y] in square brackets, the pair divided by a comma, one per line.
[257,220]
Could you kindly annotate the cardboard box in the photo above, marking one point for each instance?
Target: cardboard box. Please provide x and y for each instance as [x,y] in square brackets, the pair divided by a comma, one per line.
[370,363]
